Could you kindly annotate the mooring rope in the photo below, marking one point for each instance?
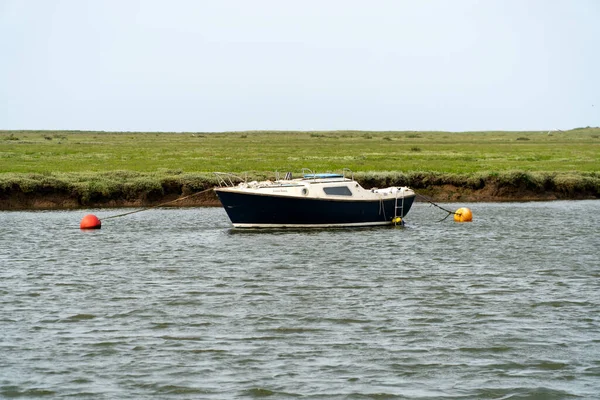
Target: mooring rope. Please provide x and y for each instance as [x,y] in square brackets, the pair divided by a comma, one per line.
[158,205]
[441,208]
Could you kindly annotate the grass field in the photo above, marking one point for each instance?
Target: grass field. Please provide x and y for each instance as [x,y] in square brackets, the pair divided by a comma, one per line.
[97,167]
[466,152]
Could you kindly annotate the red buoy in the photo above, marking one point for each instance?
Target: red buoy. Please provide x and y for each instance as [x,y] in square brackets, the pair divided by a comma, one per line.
[90,221]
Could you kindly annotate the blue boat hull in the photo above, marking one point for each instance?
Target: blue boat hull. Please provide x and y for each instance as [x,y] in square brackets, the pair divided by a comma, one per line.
[253,210]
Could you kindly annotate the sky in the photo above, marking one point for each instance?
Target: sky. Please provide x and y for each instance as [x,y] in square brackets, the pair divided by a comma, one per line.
[236,65]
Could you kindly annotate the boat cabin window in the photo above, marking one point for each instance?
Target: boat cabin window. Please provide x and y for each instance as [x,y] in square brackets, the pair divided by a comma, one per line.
[338,191]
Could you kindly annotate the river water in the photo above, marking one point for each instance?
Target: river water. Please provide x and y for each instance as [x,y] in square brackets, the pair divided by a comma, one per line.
[174,304]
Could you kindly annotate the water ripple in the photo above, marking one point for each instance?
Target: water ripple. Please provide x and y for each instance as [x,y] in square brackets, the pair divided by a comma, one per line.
[175,304]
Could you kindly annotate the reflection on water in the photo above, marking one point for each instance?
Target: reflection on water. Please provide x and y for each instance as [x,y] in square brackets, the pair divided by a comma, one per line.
[175,303]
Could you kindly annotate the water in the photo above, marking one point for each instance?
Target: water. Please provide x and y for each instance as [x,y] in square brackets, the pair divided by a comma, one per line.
[173,304]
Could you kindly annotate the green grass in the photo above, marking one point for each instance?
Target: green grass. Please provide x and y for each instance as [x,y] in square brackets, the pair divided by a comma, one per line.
[44,152]
[96,167]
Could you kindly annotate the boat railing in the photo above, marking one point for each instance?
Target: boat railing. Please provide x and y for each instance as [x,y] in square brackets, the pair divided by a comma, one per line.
[348,170]
[227,179]
[307,171]
[287,177]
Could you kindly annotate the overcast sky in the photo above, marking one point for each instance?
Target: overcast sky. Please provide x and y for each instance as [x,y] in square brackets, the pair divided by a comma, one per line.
[219,65]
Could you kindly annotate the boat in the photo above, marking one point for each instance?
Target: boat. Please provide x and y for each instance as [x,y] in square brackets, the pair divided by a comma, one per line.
[315,200]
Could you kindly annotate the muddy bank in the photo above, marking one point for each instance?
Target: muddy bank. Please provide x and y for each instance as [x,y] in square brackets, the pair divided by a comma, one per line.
[49,198]
[17,200]
[452,193]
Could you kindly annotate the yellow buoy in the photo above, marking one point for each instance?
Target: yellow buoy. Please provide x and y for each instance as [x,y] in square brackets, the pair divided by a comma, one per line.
[463,214]
[397,221]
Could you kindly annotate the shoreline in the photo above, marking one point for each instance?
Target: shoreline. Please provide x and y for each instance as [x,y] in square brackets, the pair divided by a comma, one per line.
[61,170]
[49,199]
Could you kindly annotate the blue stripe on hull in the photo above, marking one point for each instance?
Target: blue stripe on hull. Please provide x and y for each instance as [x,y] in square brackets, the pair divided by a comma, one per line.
[254,209]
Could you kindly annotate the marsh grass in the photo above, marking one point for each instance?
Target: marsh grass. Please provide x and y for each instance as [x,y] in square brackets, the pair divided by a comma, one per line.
[127,185]
[91,187]
[100,164]
[464,152]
